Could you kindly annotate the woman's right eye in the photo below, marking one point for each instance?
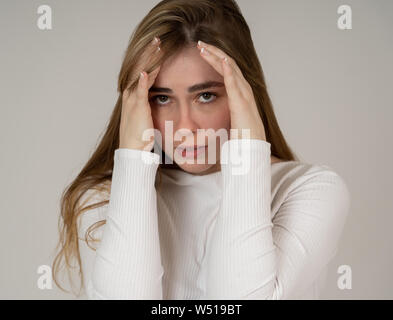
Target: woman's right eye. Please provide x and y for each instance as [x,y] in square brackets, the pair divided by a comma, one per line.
[157,99]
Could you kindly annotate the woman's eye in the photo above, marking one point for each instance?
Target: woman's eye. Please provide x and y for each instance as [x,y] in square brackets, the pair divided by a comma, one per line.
[159,100]
[207,95]
[204,98]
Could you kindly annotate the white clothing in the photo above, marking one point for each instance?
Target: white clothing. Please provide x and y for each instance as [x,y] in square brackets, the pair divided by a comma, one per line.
[268,233]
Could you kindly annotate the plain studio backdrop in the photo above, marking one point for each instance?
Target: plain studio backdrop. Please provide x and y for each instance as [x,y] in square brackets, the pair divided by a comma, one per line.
[331,90]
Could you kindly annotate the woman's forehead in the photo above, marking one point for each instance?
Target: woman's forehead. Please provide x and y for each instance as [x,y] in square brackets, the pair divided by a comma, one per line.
[183,71]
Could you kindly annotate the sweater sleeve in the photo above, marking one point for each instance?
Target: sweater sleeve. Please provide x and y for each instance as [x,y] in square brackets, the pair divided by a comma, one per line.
[127,262]
[252,256]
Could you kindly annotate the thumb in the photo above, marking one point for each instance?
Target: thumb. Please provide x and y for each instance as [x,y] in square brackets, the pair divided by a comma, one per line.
[152,76]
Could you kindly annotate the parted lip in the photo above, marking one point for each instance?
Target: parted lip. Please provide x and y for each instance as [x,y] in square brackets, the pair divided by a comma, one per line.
[191,147]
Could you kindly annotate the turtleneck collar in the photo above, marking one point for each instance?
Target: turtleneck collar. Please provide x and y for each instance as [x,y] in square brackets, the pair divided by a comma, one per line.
[181,177]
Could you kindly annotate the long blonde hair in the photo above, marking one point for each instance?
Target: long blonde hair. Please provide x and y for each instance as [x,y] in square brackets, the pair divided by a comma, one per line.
[178,23]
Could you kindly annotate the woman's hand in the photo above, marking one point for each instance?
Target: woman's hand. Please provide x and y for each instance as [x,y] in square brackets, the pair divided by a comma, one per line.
[136,113]
[243,109]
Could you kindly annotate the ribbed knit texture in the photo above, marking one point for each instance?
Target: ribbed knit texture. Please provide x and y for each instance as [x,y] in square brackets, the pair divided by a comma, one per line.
[254,230]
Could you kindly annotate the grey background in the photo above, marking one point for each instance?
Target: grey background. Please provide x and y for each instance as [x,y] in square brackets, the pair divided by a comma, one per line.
[331,90]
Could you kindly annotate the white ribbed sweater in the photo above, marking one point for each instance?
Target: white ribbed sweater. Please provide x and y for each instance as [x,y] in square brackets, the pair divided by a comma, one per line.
[266,234]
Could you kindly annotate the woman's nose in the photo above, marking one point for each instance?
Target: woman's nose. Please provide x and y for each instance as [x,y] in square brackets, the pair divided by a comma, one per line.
[186,121]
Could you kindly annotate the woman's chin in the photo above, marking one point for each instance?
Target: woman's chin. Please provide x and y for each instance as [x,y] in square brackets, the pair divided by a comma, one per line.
[198,169]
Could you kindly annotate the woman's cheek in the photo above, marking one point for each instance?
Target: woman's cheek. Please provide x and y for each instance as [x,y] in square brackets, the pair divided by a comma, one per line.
[159,124]
[221,118]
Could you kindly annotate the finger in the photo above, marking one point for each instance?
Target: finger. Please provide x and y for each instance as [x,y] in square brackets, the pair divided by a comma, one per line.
[217,63]
[238,98]
[213,60]
[152,51]
[152,76]
[127,92]
[141,92]
[219,53]
[149,54]
[231,85]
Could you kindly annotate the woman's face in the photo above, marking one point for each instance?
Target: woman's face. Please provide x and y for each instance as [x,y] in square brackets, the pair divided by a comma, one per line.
[175,97]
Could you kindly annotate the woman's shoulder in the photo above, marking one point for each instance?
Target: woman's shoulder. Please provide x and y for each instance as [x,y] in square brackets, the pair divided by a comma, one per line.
[306,195]
[299,178]
[301,169]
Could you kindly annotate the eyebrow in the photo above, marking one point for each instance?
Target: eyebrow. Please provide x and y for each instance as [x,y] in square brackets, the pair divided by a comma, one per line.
[194,88]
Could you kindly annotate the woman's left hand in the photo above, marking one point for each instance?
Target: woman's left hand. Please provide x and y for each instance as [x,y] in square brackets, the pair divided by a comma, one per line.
[242,106]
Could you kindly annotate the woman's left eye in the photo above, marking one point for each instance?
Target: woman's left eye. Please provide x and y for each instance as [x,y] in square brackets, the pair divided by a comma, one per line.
[206,95]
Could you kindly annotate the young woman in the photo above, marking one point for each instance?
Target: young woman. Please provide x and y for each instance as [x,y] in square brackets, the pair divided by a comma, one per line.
[198,230]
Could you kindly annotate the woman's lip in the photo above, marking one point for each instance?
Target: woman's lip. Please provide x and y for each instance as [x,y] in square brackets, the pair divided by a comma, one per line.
[191,151]
[193,148]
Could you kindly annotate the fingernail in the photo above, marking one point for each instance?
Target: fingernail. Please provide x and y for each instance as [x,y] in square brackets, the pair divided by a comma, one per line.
[158,49]
[204,51]
[200,43]
[225,60]
[142,75]
[156,40]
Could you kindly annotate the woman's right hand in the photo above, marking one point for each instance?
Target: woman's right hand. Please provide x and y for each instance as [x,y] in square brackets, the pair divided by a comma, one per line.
[135,112]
